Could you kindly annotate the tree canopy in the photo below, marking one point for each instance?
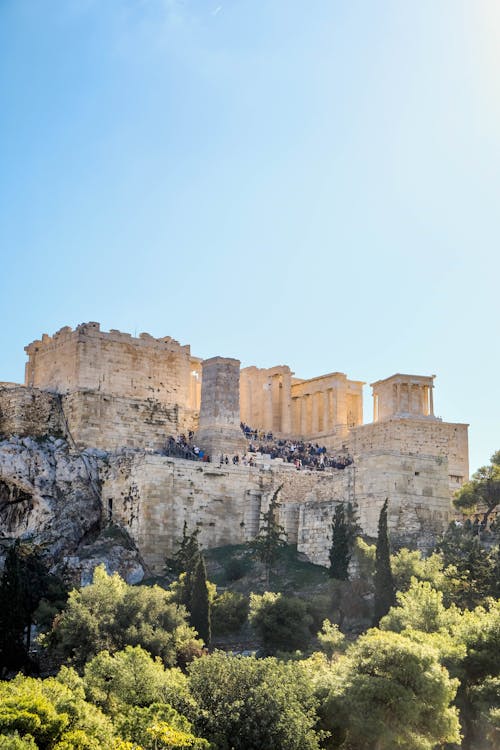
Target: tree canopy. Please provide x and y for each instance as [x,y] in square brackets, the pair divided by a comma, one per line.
[109,615]
[482,493]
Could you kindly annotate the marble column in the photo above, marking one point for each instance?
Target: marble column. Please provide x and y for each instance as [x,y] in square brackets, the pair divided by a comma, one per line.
[304,416]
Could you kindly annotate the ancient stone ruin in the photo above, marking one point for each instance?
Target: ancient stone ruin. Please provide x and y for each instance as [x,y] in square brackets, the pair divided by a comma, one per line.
[89,431]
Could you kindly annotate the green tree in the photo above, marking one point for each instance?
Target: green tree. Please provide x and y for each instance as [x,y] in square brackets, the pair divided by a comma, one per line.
[482,493]
[200,607]
[330,639]
[383,581]
[471,571]
[185,562]
[55,716]
[126,678]
[25,582]
[468,644]
[229,612]
[421,608]
[389,692]
[340,551]
[479,693]
[252,704]
[159,727]
[272,537]
[109,615]
[14,741]
[407,564]
[132,678]
[281,622]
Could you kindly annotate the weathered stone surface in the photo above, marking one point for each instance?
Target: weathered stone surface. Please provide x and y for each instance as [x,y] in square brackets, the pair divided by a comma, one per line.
[116,364]
[46,491]
[28,412]
[112,422]
[219,425]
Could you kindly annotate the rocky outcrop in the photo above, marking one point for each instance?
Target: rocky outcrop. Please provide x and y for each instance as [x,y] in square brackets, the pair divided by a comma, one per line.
[50,494]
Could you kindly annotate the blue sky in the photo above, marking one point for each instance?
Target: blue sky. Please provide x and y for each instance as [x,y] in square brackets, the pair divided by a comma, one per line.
[313,184]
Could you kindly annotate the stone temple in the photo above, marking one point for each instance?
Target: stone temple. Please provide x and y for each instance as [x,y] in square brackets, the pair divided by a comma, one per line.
[116,399]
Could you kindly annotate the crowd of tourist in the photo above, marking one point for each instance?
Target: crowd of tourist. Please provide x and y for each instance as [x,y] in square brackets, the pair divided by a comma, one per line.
[183,447]
[297,452]
[252,434]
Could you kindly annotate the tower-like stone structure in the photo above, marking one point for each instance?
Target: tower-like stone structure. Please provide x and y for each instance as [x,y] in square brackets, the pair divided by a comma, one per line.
[219,429]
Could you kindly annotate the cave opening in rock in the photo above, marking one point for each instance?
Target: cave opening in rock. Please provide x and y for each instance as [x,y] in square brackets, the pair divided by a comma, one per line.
[15,507]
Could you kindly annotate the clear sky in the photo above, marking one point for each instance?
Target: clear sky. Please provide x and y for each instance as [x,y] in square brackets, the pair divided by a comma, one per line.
[306,183]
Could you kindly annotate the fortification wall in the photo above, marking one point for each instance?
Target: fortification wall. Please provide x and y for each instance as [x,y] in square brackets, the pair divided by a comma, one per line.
[419,507]
[411,436]
[418,491]
[97,420]
[154,495]
[28,412]
[114,363]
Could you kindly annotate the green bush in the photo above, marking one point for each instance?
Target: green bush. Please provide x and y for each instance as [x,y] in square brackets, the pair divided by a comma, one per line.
[229,613]
[281,622]
[235,569]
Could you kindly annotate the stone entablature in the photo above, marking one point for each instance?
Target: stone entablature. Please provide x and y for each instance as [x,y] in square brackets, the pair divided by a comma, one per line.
[319,408]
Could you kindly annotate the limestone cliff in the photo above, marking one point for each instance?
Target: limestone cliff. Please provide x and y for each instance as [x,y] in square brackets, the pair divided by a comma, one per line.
[51,495]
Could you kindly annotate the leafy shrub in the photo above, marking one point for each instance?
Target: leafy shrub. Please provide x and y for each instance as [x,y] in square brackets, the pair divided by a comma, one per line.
[235,568]
[282,622]
[229,612]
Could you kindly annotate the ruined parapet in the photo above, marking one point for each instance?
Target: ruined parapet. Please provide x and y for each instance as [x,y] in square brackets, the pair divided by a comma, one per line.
[219,429]
[28,412]
[113,363]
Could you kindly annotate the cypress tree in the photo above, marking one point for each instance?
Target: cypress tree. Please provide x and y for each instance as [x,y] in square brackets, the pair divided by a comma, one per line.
[200,602]
[272,536]
[24,582]
[345,529]
[339,551]
[385,596]
[185,561]
[13,654]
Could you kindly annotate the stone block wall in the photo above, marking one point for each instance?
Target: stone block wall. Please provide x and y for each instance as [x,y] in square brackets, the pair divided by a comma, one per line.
[219,428]
[114,363]
[28,412]
[153,495]
[424,437]
[418,491]
[97,420]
